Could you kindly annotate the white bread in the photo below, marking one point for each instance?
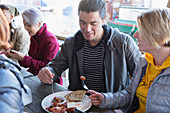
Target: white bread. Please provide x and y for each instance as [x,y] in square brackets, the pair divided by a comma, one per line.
[75,96]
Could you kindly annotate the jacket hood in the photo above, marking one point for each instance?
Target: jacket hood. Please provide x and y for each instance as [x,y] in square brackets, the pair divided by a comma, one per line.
[4,59]
[13,25]
[150,59]
[143,62]
[114,33]
[13,67]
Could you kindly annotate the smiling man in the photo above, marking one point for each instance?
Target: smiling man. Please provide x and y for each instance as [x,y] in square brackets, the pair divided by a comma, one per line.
[105,56]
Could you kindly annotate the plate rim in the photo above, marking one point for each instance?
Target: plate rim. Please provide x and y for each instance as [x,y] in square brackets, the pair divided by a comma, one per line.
[64,95]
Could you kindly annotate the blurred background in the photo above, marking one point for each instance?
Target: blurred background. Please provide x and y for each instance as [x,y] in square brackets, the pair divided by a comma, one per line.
[62,18]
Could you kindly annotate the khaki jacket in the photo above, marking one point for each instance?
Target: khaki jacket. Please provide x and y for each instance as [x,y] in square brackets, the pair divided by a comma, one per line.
[21,40]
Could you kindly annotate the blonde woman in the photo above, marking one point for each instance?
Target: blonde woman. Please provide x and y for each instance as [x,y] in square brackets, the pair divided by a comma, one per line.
[10,79]
[149,89]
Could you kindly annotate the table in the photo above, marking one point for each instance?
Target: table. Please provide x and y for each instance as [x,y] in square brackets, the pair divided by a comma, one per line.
[25,73]
[40,91]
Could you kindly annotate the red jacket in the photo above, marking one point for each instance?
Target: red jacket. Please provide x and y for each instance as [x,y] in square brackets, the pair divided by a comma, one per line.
[44,47]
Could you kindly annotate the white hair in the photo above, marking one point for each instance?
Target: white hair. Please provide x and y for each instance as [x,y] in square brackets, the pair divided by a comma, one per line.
[32,16]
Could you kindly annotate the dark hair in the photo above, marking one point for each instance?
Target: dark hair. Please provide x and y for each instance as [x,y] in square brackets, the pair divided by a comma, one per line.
[167,44]
[4,7]
[93,6]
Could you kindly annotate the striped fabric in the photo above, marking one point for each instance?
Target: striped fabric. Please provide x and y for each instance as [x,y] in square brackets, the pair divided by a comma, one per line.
[93,68]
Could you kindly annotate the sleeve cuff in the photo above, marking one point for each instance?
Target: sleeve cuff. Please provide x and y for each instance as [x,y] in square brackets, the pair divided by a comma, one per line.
[26,61]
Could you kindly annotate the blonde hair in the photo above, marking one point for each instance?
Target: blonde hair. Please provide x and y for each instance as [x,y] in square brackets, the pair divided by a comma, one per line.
[155,27]
[4,32]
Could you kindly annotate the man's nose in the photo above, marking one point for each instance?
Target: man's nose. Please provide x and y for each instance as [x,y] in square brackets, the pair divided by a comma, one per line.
[88,28]
[26,28]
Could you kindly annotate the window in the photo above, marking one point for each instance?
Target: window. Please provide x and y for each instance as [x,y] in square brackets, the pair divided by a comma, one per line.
[61,16]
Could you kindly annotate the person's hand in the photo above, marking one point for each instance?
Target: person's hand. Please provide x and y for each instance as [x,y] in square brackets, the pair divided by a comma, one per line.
[96,98]
[15,54]
[45,75]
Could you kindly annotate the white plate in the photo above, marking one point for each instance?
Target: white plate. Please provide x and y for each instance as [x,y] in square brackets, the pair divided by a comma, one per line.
[47,100]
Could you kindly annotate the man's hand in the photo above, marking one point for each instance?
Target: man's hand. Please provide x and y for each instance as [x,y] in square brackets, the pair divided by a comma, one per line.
[45,75]
[96,98]
[15,54]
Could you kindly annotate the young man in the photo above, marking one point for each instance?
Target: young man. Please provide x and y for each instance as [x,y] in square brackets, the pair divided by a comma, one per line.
[102,54]
[18,35]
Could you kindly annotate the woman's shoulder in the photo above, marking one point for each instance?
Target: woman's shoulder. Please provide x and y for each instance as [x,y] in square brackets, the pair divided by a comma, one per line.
[48,33]
[6,63]
[9,72]
[11,85]
[8,78]
[48,36]
[44,32]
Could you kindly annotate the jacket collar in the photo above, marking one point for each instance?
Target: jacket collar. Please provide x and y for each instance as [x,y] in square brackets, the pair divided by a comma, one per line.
[144,63]
[13,27]
[9,64]
[113,33]
[4,59]
[79,38]
[40,32]
[78,41]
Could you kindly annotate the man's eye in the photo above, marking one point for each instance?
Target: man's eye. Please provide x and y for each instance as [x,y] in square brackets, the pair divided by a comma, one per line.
[83,23]
[26,25]
[93,24]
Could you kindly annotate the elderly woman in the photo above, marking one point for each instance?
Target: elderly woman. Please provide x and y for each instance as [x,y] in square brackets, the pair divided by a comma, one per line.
[10,79]
[44,44]
[149,90]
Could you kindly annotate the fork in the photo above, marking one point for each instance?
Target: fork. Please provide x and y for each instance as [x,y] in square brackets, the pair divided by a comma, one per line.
[84,85]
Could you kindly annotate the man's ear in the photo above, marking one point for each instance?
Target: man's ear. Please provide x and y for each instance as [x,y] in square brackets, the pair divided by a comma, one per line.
[104,20]
[11,17]
[39,24]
